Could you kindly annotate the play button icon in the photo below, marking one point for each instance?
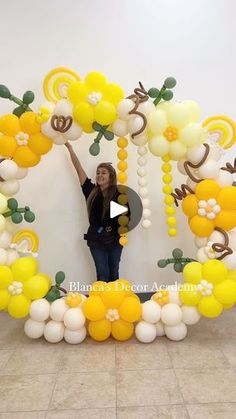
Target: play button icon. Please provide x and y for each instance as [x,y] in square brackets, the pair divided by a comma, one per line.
[116,209]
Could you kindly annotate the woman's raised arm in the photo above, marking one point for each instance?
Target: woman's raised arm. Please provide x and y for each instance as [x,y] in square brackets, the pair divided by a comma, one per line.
[76,163]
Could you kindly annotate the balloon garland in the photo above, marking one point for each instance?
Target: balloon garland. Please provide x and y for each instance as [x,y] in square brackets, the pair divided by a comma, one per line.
[171,131]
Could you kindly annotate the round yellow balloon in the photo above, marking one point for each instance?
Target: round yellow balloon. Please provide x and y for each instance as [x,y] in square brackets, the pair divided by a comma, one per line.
[189,295]
[105,113]
[122,330]
[225,292]
[35,287]
[94,308]
[97,287]
[19,306]
[192,272]
[214,271]
[130,310]
[112,297]
[24,268]
[4,299]
[210,307]
[99,330]
[6,277]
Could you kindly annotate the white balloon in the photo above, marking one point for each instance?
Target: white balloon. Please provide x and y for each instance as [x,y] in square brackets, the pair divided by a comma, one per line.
[142,181]
[123,109]
[160,329]
[140,139]
[143,192]
[146,202]
[174,297]
[10,187]
[135,124]
[209,170]
[142,150]
[171,314]
[74,319]
[151,311]
[63,107]
[54,331]
[216,237]
[142,161]
[59,139]
[191,314]
[141,171]
[230,261]
[200,241]
[191,184]
[73,133]
[145,332]
[180,166]
[146,107]
[215,152]
[58,309]
[224,178]
[12,255]
[39,310]
[120,128]
[177,332]
[75,336]
[232,239]
[3,256]
[202,257]
[146,213]
[196,153]
[10,226]
[34,329]
[5,239]
[146,223]
[47,130]
[21,173]
[8,169]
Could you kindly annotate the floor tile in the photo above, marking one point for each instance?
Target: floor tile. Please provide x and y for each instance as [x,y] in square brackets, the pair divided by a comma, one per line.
[81,390]
[21,393]
[228,348]
[207,385]
[24,415]
[134,357]
[147,388]
[4,357]
[212,411]
[197,354]
[152,412]
[86,358]
[11,331]
[34,361]
[109,413]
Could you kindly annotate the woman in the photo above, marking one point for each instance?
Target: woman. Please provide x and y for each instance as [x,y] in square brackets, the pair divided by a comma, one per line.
[102,236]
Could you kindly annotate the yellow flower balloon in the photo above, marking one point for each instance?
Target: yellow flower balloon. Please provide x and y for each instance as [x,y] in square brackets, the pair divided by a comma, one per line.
[122,330]
[99,330]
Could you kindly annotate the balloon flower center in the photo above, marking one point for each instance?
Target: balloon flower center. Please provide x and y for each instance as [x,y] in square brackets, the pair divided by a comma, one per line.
[73,299]
[15,288]
[161,297]
[171,133]
[205,288]
[210,252]
[94,97]
[112,314]
[22,138]
[208,208]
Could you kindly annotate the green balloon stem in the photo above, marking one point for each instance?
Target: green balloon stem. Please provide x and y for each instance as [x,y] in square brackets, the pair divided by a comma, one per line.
[19,102]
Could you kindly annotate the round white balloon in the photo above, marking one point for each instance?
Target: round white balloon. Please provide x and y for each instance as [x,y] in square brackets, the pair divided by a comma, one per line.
[58,309]
[74,319]
[39,310]
[151,311]
[178,332]
[145,332]
[75,336]
[171,314]
[34,329]
[54,331]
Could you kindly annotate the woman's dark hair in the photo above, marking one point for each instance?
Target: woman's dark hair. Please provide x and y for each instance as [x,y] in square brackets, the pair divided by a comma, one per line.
[110,192]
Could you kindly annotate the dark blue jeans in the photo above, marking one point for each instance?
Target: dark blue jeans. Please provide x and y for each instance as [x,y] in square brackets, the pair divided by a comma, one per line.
[107,262]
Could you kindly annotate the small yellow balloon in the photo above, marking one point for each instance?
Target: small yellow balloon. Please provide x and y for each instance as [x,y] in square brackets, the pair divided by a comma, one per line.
[35,287]
[122,154]
[122,177]
[6,277]
[123,220]
[99,330]
[24,268]
[122,165]
[167,179]
[169,199]
[167,189]
[171,221]
[172,232]
[19,306]
[225,292]
[122,330]
[189,294]
[122,142]
[210,307]
[123,241]
[170,210]
[130,310]
[94,308]
[4,299]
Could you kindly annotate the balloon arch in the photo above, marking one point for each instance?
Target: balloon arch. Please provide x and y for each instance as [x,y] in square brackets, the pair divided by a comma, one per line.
[152,122]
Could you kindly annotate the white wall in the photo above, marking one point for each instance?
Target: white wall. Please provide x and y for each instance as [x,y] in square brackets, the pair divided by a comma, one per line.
[128,41]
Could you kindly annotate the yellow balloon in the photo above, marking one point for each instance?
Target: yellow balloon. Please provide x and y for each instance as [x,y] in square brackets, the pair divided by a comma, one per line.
[201,226]
[210,307]
[113,93]
[112,297]
[130,310]
[77,92]
[122,177]
[3,203]
[47,277]
[189,295]
[29,123]
[87,128]
[35,287]
[24,268]
[84,113]
[9,125]
[99,330]
[124,285]
[214,271]
[25,157]
[122,154]
[94,308]
[6,277]
[19,306]
[4,299]
[8,146]
[95,80]
[40,144]
[122,199]
[192,272]
[97,287]
[190,205]
[207,189]
[122,165]
[122,330]
[123,241]
[104,113]
[232,275]
[225,292]
[122,142]
[123,220]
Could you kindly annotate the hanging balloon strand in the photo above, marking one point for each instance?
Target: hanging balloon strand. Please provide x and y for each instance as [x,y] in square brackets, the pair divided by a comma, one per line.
[122,166]
[169,199]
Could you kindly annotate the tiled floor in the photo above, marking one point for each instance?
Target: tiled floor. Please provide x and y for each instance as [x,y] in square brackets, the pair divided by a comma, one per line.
[195,378]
